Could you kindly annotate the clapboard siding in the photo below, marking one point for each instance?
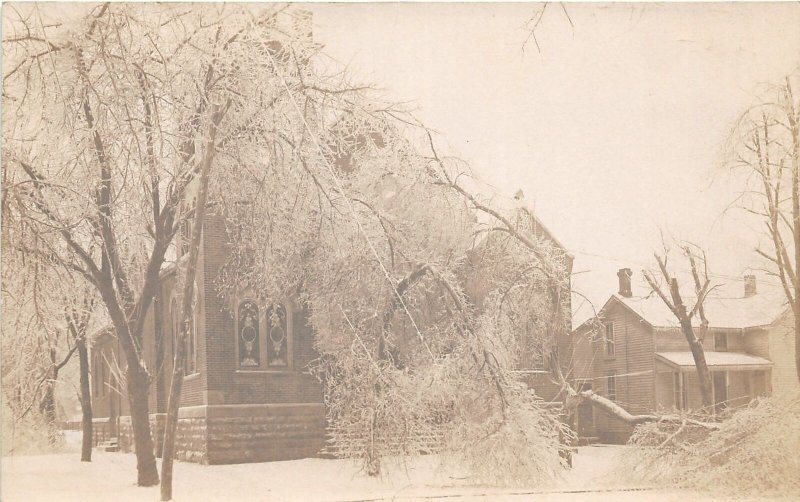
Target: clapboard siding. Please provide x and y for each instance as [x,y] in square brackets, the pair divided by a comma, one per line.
[634,365]
[781,353]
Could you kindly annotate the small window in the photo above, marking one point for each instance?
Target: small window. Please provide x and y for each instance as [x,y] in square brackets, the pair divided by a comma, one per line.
[191,338]
[721,342]
[611,385]
[100,375]
[186,231]
[609,339]
[96,374]
[190,341]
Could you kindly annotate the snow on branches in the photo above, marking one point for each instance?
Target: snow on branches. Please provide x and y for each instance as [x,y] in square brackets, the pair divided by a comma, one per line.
[422,311]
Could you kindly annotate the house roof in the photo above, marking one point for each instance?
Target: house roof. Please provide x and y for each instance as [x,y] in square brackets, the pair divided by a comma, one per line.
[715,360]
[722,312]
[516,205]
[757,310]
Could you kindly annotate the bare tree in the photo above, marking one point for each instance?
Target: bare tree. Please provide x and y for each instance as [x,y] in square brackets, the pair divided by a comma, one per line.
[765,146]
[685,314]
[554,314]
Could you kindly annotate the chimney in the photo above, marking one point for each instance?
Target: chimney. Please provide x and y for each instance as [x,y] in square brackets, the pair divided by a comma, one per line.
[749,285]
[624,275]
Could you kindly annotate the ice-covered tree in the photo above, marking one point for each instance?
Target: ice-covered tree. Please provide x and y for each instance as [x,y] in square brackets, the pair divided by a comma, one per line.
[348,215]
[108,117]
[763,149]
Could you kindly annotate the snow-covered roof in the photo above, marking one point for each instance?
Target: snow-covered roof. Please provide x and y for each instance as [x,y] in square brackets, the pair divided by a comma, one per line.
[721,312]
[498,200]
[715,360]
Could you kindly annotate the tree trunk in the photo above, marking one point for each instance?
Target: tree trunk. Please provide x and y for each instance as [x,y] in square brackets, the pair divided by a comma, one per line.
[187,309]
[703,375]
[797,344]
[696,346]
[86,401]
[171,426]
[49,400]
[158,332]
[138,393]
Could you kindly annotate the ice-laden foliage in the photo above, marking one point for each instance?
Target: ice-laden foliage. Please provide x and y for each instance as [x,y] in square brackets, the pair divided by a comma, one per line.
[336,210]
[28,436]
[145,80]
[754,451]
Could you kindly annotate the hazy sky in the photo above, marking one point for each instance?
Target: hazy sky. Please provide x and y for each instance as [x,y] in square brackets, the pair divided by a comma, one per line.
[613,131]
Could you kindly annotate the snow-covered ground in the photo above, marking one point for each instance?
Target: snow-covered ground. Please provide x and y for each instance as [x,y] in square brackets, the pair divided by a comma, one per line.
[111,476]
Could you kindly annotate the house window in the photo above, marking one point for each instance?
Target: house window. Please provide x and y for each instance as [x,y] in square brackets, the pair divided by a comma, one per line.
[720,342]
[277,337]
[679,391]
[611,385]
[249,353]
[609,339]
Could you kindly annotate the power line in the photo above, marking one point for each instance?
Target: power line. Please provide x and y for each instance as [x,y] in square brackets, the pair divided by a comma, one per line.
[685,270]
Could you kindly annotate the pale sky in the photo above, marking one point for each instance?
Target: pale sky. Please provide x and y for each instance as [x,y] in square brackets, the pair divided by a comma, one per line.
[614,131]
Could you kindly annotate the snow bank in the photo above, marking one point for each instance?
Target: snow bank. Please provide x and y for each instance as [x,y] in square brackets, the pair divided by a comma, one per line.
[755,452]
[111,477]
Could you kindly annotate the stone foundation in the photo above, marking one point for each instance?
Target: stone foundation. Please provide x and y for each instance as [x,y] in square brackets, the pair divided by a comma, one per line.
[230,434]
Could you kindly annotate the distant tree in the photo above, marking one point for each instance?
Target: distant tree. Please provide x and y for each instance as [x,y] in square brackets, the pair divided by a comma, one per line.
[764,145]
[46,318]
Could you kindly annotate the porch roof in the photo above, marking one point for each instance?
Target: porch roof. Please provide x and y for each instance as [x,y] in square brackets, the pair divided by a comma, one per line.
[721,361]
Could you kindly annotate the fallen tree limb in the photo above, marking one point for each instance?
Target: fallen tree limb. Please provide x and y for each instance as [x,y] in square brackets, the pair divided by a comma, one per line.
[621,413]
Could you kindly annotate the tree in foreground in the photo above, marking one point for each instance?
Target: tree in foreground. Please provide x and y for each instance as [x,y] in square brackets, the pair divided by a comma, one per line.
[107,113]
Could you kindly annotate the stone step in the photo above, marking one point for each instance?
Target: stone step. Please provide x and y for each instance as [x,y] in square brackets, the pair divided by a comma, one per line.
[111,444]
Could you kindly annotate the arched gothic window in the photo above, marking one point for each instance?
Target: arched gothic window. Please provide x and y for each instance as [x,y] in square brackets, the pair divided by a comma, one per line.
[249,342]
[190,341]
[277,337]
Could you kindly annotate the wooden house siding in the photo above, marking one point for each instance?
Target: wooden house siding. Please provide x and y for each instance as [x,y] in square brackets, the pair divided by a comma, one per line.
[633,364]
[781,353]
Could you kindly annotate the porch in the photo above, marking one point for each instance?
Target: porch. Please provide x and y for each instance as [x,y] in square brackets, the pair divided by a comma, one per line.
[737,378]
